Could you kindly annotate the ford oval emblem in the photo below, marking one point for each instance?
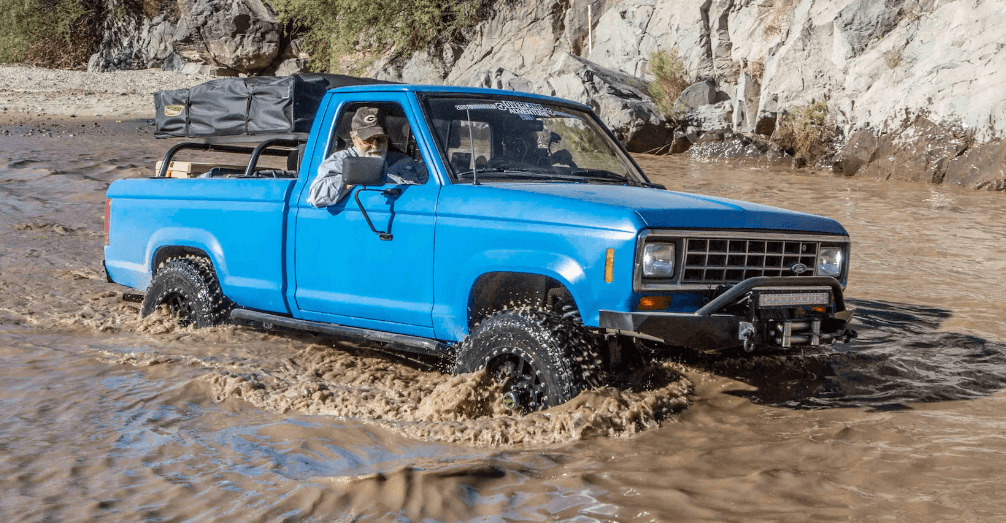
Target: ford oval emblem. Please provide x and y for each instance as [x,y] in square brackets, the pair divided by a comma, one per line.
[798,268]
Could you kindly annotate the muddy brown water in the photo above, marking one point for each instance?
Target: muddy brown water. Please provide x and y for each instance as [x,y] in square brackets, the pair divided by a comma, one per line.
[105,415]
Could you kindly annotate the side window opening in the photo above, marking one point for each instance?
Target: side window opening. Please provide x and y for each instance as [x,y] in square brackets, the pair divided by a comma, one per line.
[403,160]
[399,131]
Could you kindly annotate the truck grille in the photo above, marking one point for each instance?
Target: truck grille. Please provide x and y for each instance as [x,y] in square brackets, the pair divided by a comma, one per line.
[723,260]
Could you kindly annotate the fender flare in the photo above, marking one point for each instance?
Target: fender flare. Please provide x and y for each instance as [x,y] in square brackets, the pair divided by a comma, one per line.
[191,238]
[559,267]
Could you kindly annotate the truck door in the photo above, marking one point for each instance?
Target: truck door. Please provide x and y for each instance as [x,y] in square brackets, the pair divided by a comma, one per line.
[345,272]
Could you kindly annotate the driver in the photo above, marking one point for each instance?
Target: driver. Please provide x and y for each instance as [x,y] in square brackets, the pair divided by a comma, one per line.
[369,139]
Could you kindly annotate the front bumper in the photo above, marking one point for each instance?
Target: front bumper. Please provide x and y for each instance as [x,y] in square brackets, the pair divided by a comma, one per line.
[733,319]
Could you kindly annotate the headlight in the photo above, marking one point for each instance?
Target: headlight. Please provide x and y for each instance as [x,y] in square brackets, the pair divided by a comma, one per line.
[829,262]
[658,260]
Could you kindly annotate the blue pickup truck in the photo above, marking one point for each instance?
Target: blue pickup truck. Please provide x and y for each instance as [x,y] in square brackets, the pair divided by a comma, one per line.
[535,246]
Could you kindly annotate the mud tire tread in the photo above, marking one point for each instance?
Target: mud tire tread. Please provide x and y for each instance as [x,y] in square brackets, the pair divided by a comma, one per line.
[194,278]
[564,352]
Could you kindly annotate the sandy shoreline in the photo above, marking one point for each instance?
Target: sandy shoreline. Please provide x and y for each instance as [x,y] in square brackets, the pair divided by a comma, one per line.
[34,93]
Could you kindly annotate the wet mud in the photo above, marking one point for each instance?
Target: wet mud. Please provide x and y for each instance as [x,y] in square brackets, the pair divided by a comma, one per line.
[104,414]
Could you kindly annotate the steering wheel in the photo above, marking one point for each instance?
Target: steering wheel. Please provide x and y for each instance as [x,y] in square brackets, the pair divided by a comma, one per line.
[516,148]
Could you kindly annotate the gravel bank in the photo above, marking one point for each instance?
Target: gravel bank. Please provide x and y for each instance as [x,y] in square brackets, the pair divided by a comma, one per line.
[120,95]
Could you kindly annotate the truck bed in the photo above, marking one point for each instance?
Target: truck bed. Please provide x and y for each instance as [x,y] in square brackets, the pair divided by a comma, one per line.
[213,215]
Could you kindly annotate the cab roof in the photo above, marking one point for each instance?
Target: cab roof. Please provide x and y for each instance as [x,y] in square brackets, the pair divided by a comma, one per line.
[453,90]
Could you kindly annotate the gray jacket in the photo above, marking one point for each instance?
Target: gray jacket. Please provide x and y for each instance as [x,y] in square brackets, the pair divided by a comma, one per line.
[328,188]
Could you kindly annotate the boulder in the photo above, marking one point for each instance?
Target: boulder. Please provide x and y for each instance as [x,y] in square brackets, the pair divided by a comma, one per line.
[292,59]
[204,70]
[980,167]
[620,101]
[713,117]
[172,63]
[719,146]
[133,41]
[242,35]
[679,143]
[745,104]
[919,150]
[290,66]
[697,95]
[860,150]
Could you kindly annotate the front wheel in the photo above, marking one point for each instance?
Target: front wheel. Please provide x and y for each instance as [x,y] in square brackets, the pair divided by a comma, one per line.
[539,358]
[187,289]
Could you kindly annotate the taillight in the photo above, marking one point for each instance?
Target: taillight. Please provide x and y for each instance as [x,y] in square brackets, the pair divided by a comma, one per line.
[108,211]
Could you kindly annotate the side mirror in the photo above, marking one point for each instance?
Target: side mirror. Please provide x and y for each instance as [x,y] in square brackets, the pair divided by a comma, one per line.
[362,170]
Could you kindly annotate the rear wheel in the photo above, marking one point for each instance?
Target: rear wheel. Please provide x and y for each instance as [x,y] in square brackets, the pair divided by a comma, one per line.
[187,289]
[539,358]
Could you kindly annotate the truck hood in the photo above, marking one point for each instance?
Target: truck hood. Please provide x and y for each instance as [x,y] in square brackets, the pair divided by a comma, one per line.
[668,209]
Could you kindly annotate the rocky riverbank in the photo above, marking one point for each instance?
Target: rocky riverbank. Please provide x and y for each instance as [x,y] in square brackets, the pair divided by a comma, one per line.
[905,89]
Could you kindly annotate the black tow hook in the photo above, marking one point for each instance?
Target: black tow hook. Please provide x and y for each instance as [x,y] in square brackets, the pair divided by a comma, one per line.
[747,336]
[849,335]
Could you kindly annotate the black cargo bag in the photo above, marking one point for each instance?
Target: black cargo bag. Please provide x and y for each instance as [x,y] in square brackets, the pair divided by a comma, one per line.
[255,105]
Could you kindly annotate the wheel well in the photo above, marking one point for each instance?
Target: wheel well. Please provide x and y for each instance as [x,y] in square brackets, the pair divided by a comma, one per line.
[176,251]
[496,291]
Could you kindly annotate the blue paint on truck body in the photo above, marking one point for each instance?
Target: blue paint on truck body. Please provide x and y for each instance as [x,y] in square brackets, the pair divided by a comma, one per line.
[273,252]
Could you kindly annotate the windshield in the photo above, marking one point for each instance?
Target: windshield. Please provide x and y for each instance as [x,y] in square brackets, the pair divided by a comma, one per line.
[507,139]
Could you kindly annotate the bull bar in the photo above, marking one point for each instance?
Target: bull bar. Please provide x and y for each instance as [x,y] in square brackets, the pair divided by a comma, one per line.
[709,328]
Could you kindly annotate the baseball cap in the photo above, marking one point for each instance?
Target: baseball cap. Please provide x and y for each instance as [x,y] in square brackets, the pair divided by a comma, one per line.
[368,122]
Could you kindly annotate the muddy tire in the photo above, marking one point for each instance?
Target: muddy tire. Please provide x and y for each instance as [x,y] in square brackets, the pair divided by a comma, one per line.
[187,289]
[540,358]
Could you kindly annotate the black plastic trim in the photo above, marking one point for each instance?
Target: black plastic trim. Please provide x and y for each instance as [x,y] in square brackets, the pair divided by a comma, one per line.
[714,332]
[416,344]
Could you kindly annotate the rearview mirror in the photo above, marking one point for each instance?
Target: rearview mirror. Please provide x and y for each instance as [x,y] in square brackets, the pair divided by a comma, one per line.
[362,170]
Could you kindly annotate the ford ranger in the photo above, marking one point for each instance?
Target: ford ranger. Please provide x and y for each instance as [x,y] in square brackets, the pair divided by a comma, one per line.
[535,247]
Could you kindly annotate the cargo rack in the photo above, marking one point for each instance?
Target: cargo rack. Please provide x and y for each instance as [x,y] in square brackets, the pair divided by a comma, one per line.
[290,145]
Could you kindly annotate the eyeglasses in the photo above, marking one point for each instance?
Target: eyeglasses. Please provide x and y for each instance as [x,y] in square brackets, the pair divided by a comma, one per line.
[375,141]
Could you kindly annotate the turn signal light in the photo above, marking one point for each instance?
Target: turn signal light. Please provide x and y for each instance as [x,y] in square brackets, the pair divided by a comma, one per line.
[654,303]
[609,266]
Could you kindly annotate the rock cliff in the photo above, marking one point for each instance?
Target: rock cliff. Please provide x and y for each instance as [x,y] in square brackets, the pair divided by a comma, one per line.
[908,89]
[219,37]
[911,89]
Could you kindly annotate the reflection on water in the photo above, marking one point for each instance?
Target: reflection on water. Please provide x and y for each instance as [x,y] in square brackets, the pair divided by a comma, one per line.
[102,414]
[899,359]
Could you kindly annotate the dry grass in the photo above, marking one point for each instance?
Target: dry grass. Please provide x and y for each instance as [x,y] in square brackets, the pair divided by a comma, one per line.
[776,15]
[756,69]
[808,130]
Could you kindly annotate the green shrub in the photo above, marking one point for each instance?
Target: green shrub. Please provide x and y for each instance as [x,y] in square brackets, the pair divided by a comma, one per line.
[332,29]
[670,79]
[54,33]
